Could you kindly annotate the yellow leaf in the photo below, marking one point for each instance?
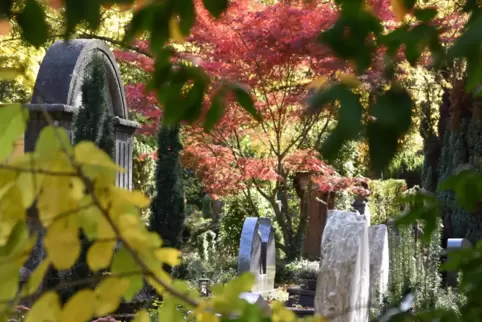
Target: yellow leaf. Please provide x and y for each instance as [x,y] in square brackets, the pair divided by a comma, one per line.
[46,308]
[318,82]
[18,244]
[132,198]
[9,282]
[109,293]
[104,229]
[36,278]
[95,163]
[53,139]
[13,123]
[10,73]
[30,183]
[281,314]
[60,196]
[207,317]
[170,256]
[349,79]
[399,9]
[124,263]
[11,210]
[100,254]
[160,275]
[174,30]
[142,316]
[89,218]
[87,153]
[80,307]
[62,242]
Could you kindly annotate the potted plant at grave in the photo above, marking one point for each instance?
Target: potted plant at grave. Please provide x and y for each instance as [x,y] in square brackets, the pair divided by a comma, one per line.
[305,273]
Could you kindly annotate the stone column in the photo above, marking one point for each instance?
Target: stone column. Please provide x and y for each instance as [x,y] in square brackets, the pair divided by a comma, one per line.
[342,291]
[379,263]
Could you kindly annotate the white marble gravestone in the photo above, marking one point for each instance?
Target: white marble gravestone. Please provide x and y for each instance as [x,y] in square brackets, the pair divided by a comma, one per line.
[379,263]
[342,291]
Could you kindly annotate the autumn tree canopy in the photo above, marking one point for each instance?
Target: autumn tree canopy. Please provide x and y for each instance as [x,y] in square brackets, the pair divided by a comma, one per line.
[272,50]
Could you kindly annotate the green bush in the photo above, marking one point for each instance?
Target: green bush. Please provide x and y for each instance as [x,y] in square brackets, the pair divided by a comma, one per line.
[384,200]
[220,269]
[300,269]
[415,267]
[195,225]
[143,170]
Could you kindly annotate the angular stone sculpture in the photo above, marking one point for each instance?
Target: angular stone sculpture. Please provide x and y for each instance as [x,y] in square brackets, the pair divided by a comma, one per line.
[257,253]
[342,291]
[379,263]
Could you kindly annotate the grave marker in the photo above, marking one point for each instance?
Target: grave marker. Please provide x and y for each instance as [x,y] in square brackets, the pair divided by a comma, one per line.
[58,92]
[454,244]
[257,253]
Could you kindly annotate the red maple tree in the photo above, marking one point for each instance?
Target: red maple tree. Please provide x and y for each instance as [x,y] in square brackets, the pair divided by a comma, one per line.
[273,50]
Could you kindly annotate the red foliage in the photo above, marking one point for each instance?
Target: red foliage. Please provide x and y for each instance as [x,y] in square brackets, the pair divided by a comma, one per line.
[272,49]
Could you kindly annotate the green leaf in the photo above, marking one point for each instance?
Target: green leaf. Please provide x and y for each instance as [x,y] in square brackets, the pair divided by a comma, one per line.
[465,43]
[13,123]
[425,14]
[78,11]
[349,37]
[215,112]
[244,99]
[32,23]
[392,112]
[216,7]
[422,207]
[409,4]
[187,14]
[124,263]
[53,139]
[349,119]
[6,8]
[140,22]
[467,185]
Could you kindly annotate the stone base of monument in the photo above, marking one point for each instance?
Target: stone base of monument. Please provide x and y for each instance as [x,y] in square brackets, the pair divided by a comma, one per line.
[300,296]
[302,312]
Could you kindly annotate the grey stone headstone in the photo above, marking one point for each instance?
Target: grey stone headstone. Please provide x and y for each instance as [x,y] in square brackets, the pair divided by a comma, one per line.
[257,253]
[454,244]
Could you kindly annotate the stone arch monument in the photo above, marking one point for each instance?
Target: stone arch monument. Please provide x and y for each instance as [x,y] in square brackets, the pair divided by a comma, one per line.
[58,90]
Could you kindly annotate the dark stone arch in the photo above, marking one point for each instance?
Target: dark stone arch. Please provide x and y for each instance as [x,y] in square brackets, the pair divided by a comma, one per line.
[61,74]
[57,91]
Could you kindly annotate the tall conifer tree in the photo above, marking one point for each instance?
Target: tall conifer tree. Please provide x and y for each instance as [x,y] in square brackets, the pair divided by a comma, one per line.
[168,205]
